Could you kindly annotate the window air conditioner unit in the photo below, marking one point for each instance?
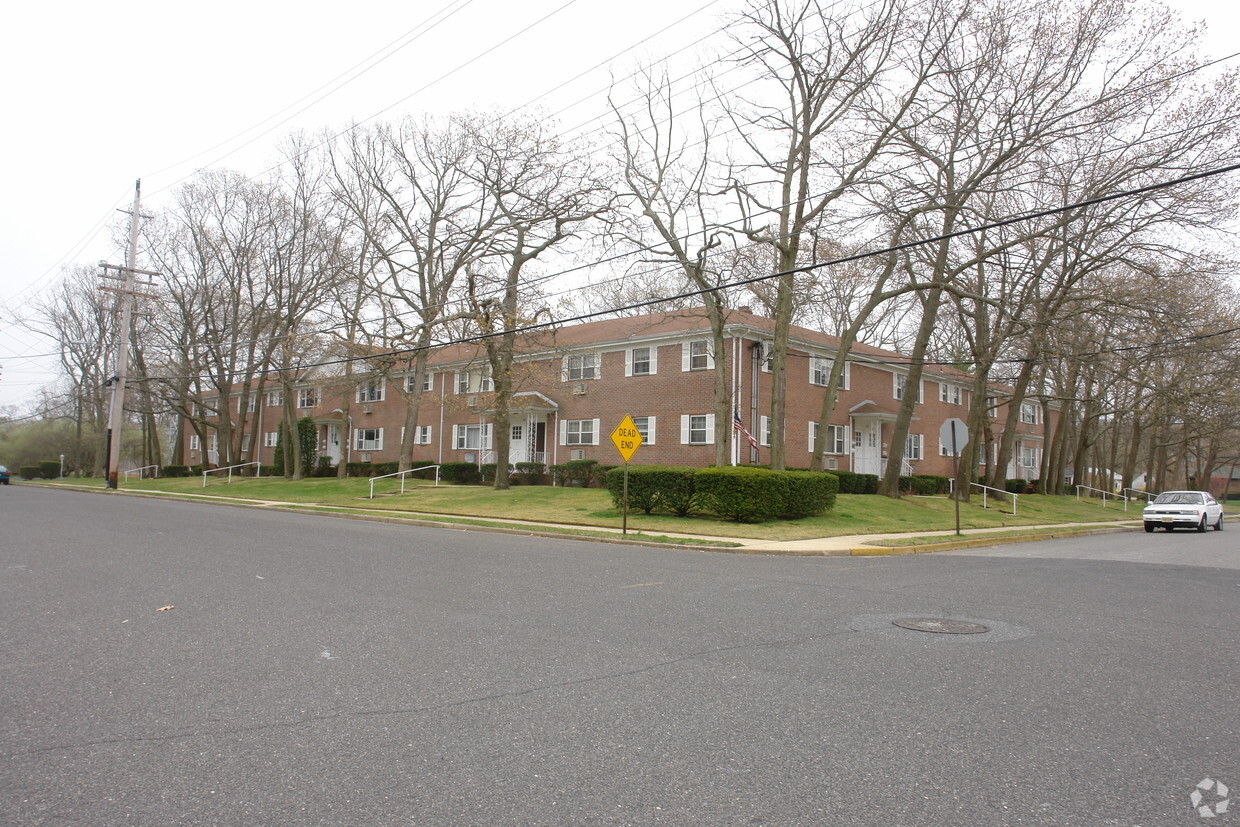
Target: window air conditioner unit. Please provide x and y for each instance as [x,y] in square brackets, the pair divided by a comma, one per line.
[579,389]
[368,409]
[471,401]
[833,464]
[578,453]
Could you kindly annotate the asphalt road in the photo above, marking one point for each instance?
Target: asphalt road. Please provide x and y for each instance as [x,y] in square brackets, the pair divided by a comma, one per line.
[324,671]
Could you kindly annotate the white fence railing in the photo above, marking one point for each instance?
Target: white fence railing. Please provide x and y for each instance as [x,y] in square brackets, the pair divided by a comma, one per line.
[139,471]
[401,474]
[986,489]
[229,470]
[1148,496]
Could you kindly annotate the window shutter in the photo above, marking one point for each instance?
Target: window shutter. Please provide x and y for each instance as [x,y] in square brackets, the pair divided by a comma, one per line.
[379,442]
[813,426]
[686,349]
[763,430]
[564,369]
[486,437]
[594,436]
[710,357]
[710,429]
[654,361]
[650,430]
[684,429]
[563,431]
[628,363]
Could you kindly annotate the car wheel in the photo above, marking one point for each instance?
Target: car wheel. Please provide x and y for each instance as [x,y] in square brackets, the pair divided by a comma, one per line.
[1201,526]
[1149,528]
[1219,525]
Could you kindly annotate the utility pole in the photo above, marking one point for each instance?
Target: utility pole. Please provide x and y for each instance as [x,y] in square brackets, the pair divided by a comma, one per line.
[116,415]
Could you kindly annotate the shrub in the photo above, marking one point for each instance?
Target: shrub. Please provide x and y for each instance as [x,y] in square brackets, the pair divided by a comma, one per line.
[654,488]
[49,469]
[29,472]
[867,483]
[905,484]
[746,495]
[929,485]
[848,481]
[598,475]
[577,472]
[1016,486]
[196,470]
[358,469]
[464,473]
[382,469]
[810,493]
[531,473]
[324,468]
[174,471]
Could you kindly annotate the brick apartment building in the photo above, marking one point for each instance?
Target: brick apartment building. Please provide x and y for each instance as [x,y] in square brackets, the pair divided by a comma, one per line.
[573,386]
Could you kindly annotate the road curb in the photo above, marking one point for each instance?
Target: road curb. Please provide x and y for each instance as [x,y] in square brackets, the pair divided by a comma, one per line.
[980,542]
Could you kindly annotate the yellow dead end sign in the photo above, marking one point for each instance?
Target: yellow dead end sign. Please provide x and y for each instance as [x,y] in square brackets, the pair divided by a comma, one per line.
[626,438]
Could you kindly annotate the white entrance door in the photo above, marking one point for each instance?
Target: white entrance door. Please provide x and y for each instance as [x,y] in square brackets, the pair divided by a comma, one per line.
[867,446]
[333,444]
[519,441]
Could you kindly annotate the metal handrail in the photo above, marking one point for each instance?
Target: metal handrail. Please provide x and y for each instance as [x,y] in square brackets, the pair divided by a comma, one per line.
[139,471]
[1104,494]
[1000,491]
[401,474]
[1148,496]
[229,470]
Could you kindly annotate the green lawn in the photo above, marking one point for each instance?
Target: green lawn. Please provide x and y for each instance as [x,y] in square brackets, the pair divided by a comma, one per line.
[592,507]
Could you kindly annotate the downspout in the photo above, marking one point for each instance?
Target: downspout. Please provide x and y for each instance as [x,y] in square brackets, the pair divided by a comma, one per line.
[736,398]
[439,446]
[755,354]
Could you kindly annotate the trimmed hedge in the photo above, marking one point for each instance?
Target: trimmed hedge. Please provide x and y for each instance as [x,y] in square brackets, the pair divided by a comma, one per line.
[463,473]
[29,472]
[49,469]
[746,495]
[654,488]
[926,485]
[175,471]
[810,493]
[530,473]
[577,472]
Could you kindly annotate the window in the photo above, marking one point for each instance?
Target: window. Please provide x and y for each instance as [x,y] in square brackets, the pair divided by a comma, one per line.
[270,439]
[951,394]
[820,372]
[992,407]
[579,432]
[368,439]
[252,405]
[696,355]
[837,438]
[645,427]
[900,382]
[428,382]
[245,442]
[422,435]
[517,434]
[275,398]
[641,361]
[1029,413]
[308,398]
[473,381]
[1030,456]
[913,447]
[697,429]
[472,437]
[194,442]
[370,391]
[583,366]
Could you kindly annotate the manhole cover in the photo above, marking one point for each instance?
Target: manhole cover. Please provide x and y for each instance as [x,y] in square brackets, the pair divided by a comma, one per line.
[941,625]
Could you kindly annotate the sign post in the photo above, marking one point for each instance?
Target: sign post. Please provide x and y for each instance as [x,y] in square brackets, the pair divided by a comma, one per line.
[954,433]
[627,440]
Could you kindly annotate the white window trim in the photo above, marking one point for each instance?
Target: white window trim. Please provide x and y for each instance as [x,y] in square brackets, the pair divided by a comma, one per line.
[654,361]
[271,439]
[275,398]
[195,443]
[686,432]
[593,433]
[895,387]
[368,386]
[919,442]
[428,382]
[950,394]
[829,364]
[841,431]
[649,437]
[596,363]
[686,355]
[301,397]
[357,440]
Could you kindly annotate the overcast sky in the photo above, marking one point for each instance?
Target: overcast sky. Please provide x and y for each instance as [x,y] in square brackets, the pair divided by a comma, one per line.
[96,95]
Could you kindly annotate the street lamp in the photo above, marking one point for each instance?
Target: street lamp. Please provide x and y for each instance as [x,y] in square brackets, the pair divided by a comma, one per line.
[62,466]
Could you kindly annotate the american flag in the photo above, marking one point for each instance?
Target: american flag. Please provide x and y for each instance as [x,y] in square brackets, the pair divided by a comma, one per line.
[740,426]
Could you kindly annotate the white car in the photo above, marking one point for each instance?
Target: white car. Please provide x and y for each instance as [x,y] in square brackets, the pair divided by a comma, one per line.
[1189,509]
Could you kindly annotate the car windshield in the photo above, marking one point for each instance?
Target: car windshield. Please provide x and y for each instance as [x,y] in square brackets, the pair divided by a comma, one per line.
[1178,498]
